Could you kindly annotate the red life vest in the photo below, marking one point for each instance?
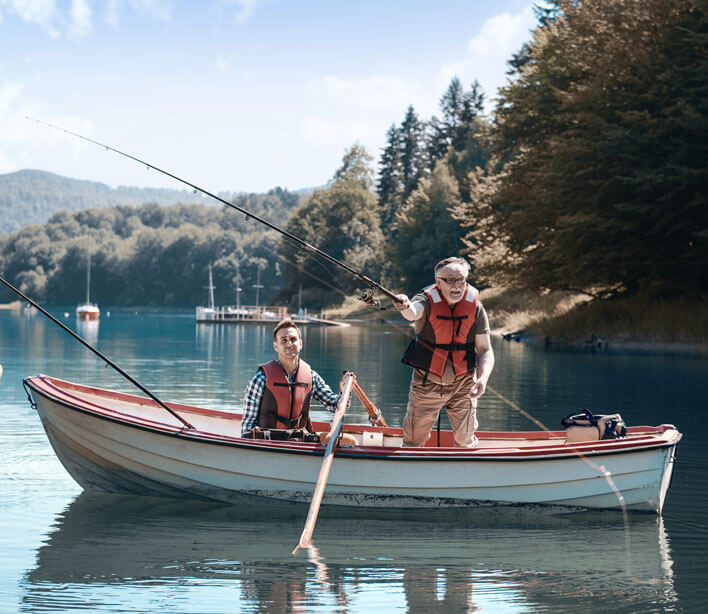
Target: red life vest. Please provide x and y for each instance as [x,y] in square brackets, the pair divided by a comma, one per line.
[446,331]
[285,404]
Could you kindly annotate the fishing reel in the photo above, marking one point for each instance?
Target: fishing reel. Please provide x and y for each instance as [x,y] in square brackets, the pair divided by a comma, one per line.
[367,296]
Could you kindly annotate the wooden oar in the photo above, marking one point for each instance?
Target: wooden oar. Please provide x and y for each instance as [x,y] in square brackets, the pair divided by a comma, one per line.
[373,411]
[306,537]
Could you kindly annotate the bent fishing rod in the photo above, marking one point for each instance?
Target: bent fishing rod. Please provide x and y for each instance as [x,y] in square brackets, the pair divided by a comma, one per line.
[107,360]
[366,296]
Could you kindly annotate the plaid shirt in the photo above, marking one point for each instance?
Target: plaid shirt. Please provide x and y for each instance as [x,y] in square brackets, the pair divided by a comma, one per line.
[254,394]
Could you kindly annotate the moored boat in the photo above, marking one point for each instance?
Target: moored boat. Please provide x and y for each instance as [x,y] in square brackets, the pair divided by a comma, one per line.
[88,312]
[118,442]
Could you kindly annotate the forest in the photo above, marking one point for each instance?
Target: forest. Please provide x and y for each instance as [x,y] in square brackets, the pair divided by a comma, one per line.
[32,196]
[588,177]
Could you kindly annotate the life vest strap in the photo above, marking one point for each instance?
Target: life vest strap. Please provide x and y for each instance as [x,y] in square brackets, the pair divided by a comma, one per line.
[453,347]
[453,318]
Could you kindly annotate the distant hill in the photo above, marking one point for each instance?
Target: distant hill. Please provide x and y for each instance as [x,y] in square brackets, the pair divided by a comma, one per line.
[32,197]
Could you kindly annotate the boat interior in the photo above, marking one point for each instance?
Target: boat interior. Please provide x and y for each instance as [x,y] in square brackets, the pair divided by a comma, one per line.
[221,425]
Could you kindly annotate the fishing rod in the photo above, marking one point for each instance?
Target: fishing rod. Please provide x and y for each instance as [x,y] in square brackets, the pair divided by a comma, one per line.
[95,351]
[366,295]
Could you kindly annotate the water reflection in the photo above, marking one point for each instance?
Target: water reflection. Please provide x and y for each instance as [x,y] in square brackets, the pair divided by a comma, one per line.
[88,330]
[101,546]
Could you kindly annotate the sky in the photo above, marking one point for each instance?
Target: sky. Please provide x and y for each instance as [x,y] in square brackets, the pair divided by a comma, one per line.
[234,95]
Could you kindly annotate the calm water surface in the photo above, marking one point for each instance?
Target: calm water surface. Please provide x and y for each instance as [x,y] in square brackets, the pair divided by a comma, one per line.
[65,551]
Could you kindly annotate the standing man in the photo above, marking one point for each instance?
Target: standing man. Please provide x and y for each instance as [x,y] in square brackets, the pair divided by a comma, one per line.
[451,354]
[278,396]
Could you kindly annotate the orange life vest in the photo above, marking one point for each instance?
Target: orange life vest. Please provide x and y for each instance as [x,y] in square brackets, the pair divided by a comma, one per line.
[446,332]
[285,404]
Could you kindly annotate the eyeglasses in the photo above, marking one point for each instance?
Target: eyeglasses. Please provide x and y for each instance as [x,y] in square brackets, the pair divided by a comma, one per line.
[454,281]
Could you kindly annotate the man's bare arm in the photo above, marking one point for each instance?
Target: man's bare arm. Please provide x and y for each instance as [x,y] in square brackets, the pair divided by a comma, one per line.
[485,364]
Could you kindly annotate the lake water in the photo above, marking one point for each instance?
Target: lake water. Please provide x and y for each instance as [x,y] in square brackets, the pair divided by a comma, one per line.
[64,551]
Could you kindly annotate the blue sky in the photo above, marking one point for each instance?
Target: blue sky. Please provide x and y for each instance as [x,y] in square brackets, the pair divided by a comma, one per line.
[234,95]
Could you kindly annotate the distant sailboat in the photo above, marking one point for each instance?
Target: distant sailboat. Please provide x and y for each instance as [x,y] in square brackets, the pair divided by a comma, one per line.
[208,313]
[88,311]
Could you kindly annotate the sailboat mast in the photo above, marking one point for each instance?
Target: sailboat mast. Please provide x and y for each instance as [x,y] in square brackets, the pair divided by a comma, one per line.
[211,289]
[88,274]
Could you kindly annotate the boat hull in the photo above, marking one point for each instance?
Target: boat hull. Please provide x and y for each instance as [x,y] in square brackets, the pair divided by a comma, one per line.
[116,451]
[88,312]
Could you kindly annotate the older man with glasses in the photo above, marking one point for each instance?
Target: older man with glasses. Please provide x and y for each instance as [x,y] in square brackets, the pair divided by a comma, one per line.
[451,355]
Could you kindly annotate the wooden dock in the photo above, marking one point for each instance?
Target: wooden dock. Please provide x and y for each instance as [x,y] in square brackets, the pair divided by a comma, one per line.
[269,315]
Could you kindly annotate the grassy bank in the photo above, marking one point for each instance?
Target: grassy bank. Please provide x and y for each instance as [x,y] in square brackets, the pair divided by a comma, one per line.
[632,323]
[573,320]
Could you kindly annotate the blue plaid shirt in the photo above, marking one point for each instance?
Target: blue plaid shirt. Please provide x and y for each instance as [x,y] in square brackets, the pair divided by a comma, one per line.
[254,394]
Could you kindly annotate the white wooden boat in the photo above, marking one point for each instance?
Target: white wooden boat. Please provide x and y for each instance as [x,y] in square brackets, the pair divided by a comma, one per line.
[88,312]
[118,442]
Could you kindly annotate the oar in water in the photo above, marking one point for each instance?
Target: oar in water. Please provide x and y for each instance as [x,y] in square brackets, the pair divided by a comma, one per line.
[374,412]
[306,537]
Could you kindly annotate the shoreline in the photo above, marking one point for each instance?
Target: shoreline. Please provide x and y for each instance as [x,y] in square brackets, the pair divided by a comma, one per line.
[517,323]
[610,345]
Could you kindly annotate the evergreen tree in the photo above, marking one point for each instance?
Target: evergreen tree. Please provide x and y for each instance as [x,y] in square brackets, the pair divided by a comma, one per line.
[388,187]
[411,151]
[461,113]
[425,232]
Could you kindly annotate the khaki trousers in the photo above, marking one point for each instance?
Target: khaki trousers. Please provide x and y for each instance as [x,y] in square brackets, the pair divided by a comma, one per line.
[425,400]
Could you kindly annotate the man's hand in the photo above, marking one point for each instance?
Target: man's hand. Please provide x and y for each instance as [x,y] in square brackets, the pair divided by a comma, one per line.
[478,388]
[401,302]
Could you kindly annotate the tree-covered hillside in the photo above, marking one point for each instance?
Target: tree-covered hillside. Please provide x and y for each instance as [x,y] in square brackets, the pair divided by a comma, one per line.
[32,197]
[150,254]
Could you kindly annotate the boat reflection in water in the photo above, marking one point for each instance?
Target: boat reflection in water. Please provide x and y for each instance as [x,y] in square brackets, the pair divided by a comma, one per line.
[114,552]
[88,330]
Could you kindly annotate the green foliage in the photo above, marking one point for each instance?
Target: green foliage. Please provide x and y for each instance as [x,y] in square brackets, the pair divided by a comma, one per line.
[148,255]
[389,186]
[32,197]
[425,231]
[604,136]
[423,176]
[342,221]
[403,162]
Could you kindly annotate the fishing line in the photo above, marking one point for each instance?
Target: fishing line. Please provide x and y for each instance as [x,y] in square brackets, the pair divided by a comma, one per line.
[601,469]
[95,351]
[366,296]
[368,281]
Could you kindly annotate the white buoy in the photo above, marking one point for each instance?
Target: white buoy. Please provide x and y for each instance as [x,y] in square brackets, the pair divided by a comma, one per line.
[0,370]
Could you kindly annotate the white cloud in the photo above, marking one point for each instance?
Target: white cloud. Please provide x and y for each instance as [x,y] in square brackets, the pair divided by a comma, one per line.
[25,143]
[341,111]
[40,12]
[225,61]
[240,10]
[246,9]
[80,19]
[487,53]
[75,20]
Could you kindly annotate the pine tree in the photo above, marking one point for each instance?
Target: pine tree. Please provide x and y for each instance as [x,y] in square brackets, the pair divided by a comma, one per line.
[389,186]
[411,151]
[424,231]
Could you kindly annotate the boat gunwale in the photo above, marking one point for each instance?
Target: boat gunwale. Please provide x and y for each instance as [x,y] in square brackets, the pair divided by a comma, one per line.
[554,451]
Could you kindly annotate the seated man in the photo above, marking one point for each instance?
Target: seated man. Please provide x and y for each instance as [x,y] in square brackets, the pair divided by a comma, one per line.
[278,396]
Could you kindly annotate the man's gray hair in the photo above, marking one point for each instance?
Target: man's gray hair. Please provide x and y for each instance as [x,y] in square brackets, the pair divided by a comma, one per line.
[452,260]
